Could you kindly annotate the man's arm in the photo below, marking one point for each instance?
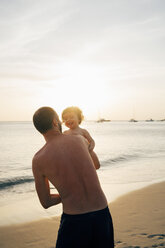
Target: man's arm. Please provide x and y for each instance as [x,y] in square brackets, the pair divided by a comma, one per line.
[43,190]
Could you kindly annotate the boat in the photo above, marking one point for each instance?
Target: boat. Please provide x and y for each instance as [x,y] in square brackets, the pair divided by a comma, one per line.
[103,120]
[149,120]
[133,120]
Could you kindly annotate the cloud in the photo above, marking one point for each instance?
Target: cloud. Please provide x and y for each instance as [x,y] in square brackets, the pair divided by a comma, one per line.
[25,24]
[45,43]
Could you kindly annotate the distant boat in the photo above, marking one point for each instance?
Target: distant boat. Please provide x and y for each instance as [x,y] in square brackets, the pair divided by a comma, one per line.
[103,120]
[162,120]
[133,120]
[149,120]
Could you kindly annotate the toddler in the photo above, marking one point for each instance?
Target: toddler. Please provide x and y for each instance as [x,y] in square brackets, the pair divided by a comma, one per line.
[72,117]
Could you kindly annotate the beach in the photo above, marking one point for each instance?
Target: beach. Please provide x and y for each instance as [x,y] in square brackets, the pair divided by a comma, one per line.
[138,217]
[132,158]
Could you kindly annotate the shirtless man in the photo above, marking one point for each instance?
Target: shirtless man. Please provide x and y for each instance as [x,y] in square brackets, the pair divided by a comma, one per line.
[66,162]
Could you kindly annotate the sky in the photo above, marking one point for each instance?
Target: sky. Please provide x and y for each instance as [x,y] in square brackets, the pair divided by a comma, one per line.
[106,57]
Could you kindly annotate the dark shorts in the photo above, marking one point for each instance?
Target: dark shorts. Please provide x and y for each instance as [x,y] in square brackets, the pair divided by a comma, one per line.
[90,230]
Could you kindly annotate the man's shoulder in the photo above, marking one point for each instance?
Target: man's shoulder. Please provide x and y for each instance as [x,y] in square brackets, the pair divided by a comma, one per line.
[38,156]
[36,159]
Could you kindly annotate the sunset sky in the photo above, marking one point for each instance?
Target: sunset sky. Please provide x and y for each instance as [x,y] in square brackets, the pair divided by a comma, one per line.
[107,57]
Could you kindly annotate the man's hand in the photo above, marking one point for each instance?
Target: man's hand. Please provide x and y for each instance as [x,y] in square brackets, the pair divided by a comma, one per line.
[53,200]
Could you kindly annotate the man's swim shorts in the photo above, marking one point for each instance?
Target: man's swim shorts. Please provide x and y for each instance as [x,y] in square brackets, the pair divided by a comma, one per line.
[89,230]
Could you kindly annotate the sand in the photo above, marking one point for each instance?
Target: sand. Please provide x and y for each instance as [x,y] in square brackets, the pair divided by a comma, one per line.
[139,221]
[139,218]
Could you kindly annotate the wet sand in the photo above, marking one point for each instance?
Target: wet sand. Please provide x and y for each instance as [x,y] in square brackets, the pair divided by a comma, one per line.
[139,222]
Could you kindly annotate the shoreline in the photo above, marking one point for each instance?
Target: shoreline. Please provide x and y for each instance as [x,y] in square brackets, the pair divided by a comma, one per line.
[28,208]
[138,219]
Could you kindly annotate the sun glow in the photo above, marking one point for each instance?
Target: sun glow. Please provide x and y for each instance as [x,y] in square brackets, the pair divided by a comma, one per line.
[79,86]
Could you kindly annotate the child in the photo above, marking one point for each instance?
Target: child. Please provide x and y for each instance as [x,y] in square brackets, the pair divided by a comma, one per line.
[72,117]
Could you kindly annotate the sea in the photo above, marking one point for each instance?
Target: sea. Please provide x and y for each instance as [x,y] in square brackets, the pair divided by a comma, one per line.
[131,154]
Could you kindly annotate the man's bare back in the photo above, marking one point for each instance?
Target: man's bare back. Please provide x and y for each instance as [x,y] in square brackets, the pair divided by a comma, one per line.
[66,162]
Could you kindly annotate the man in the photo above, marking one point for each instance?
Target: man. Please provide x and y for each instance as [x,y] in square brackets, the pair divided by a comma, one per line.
[65,161]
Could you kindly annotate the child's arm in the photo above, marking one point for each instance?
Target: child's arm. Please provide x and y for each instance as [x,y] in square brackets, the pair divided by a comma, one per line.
[90,140]
[93,155]
[95,159]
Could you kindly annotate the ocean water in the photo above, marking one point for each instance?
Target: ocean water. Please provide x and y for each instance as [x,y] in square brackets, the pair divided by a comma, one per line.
[132,155]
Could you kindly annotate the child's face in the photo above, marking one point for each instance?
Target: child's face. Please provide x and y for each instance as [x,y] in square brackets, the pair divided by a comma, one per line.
[71,120]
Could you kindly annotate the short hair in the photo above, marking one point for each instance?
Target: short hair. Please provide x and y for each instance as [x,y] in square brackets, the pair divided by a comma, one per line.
[75,110]
[43,119]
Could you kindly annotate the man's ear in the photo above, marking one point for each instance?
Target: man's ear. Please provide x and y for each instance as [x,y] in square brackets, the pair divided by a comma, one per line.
[55,124]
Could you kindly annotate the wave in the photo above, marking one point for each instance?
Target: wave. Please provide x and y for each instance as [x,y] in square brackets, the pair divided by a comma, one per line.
[8,183]
[122,158]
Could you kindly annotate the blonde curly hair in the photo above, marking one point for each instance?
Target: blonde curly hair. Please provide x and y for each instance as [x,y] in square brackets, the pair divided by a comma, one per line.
[75,110]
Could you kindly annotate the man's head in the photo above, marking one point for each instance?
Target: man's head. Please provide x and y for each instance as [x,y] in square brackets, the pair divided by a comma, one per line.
[44,119]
